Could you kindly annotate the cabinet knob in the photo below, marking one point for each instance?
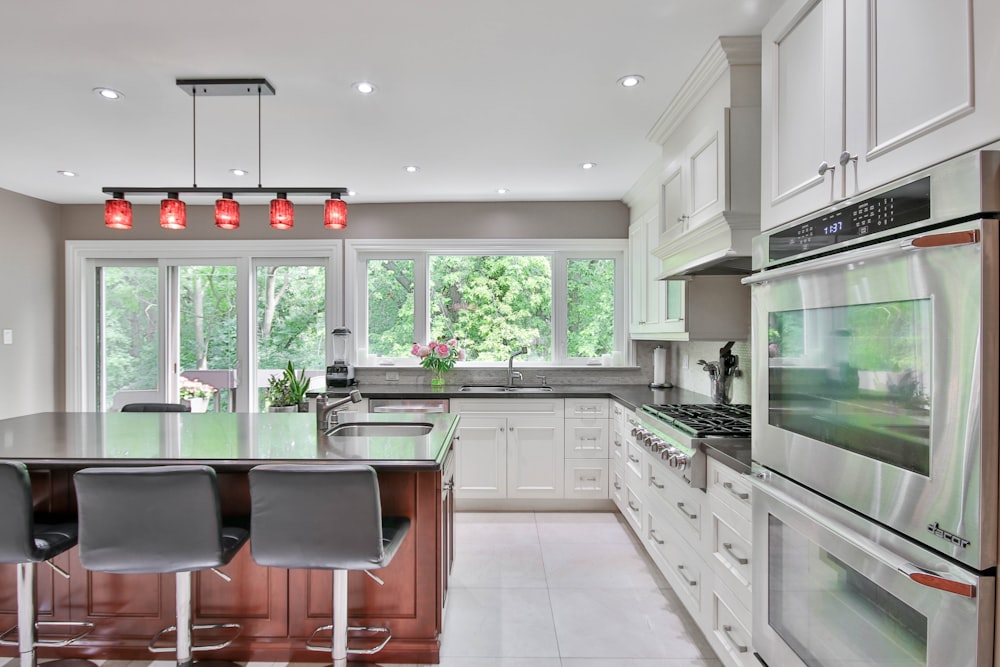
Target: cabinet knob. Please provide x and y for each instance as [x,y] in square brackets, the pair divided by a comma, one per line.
[824,167]
[846,157]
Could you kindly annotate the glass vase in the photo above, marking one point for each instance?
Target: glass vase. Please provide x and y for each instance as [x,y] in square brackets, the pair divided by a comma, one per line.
[437,382]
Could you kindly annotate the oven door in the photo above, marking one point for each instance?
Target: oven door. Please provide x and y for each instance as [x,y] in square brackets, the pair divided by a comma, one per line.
[871,372]
[831,588]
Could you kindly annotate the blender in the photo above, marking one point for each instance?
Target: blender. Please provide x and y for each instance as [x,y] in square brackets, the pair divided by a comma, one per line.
[341,373]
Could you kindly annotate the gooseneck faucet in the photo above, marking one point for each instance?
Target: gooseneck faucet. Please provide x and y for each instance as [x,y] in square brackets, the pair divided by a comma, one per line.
[511,373]
[327,412]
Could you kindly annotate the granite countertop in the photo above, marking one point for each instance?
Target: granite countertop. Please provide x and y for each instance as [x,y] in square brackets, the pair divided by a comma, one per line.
[225,441]
[633,396]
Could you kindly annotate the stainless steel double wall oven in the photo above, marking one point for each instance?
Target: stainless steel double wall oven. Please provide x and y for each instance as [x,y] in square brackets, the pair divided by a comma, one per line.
[875,432]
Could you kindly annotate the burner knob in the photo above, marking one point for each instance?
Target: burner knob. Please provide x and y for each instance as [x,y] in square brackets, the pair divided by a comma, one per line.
[657,445]
[648,440]
[679,461]
[668,453]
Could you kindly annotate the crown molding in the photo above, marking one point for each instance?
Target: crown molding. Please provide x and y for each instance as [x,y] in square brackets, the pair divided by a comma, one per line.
[725,52]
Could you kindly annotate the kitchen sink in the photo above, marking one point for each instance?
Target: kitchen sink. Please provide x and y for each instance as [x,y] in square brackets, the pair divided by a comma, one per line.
[500,389]
[380,429]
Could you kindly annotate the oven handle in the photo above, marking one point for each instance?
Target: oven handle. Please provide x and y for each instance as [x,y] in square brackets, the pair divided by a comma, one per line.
[889,559]
[969,236]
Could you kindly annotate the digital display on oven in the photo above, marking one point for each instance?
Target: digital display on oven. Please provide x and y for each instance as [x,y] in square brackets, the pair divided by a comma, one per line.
[890,210]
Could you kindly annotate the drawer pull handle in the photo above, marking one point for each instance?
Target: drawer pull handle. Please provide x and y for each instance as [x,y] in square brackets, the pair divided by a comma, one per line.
[632,459]
[588,479]
[728,629]
[728,546]
[618,442]
[690,582]
[652,535]
[588,439]
[632,507]
[652,480]
[618,487]
[728,486]
[680,506]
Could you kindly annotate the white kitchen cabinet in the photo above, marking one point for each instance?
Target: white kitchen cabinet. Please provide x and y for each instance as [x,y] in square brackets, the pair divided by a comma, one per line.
[856,94]
[586,478]
[535,457]
[654,305]
[481,457]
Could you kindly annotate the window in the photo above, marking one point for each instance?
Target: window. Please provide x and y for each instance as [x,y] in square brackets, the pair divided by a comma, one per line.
[565,305]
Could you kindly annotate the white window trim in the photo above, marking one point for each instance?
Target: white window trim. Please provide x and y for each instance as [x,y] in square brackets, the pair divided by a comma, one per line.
[81,257]
[356,251]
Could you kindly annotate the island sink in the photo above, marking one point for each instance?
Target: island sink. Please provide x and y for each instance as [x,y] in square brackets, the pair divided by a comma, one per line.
[379,429]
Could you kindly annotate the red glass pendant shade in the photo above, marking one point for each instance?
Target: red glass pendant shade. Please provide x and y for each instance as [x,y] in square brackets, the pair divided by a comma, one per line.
[118,213]
[282,213]
[173,213]
[335,214]
[227,213]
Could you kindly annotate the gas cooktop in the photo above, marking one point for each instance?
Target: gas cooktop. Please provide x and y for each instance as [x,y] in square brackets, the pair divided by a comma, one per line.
[704,420]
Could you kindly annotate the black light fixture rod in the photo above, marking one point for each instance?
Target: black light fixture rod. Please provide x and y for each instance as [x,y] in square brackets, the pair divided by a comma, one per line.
[242,191]
[260,179]
[194,137]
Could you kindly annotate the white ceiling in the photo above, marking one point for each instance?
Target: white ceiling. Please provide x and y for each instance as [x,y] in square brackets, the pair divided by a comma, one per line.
[480,95]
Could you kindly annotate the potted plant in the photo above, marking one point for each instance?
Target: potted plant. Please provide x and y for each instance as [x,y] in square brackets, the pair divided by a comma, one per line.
[439,357]
[287,392]
[195,394]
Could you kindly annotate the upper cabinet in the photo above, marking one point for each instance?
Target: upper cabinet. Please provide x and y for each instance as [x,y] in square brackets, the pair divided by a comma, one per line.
[856,94]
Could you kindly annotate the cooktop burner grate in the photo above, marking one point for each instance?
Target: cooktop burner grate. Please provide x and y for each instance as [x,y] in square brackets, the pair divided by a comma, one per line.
[731,421]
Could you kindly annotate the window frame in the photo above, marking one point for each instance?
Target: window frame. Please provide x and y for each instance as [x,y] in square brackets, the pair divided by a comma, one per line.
[560,251]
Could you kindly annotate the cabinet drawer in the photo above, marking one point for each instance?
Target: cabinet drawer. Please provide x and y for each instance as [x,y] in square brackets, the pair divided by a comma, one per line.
[588,407]
[731,556]
[683,507]
[729,487]
[617,448]
[586,438]
[730,635]
[679,562]
[633,462]
[586,478]
[509,406]
[633,508]
[617,489]
[618,414]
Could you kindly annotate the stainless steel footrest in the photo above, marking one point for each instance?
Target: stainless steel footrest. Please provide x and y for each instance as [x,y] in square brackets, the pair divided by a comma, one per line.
[87,628]
[351,628]
[153,648]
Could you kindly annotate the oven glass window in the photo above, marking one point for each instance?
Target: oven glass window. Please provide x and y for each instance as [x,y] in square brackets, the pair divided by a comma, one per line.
[855,377]
[830,614]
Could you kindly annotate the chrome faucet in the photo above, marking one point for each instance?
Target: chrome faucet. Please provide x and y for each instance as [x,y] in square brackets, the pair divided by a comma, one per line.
[511,373]
[326,413]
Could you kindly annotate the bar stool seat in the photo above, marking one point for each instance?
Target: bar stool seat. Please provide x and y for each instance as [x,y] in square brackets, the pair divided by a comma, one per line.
[326,517]
[161,519]
[26,539]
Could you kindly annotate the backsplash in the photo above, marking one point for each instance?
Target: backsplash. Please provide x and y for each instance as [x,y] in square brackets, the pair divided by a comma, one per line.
[694,378]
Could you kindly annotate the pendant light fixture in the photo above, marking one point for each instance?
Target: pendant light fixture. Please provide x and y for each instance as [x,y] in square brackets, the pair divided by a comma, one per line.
[118,212]
[335,213]
[173,211]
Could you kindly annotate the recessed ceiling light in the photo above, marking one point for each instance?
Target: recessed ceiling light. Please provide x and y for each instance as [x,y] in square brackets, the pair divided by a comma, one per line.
[66,173]
[411,168]
[109,93]
[588,165]
[631,80]
[351,193]
[364,87]
[502,191]
[238,172]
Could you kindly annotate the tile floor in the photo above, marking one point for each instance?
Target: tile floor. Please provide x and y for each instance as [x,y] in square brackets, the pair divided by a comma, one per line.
[554,590]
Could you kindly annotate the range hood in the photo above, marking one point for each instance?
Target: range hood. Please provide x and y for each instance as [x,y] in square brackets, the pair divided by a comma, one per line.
[719,246]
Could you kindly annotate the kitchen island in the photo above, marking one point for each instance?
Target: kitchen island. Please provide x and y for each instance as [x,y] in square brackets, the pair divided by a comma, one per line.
[277,608]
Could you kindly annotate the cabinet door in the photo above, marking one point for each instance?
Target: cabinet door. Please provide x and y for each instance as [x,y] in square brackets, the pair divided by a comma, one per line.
[481,458]
[921,84]
[534,457]
[637,277]
[802,107]
[655,289]
[672,205]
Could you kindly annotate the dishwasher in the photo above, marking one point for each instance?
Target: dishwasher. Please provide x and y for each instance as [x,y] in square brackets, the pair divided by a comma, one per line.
[408,405]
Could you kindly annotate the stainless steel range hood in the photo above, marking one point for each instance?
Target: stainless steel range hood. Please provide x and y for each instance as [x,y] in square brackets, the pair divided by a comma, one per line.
[719,246]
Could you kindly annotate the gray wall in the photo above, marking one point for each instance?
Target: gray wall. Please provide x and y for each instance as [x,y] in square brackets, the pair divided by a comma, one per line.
[31,304]
[592,219]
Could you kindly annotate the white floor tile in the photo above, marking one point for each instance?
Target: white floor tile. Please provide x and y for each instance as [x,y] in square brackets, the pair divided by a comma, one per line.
[582,528]
[498,623]
[495,528]
[639,662]
[498,565]
[625,623]
[592,566]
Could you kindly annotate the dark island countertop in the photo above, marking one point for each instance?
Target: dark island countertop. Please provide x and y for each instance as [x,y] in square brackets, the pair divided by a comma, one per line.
[225,441]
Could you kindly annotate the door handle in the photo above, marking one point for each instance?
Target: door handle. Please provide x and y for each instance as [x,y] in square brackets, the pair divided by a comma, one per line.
[728,547]
[938,581]
[948,238]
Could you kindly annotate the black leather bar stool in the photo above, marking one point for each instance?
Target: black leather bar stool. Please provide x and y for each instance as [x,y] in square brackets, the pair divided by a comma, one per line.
[26,539]
[157,520]
[324,517]
[155,407]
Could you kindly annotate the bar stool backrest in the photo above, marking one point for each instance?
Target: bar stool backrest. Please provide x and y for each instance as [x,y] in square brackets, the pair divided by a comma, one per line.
[155,407]
[151,519]
[16,514]
[316,516]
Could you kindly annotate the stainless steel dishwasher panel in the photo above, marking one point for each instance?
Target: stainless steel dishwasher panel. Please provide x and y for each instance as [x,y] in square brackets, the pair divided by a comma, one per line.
[408,405]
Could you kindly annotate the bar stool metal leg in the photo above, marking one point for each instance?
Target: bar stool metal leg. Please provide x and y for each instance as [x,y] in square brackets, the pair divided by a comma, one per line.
[339,640]
[26,602]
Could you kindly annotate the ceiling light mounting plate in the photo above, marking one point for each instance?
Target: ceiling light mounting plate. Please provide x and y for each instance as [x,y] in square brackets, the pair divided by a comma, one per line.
[225,87]
[242,191]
